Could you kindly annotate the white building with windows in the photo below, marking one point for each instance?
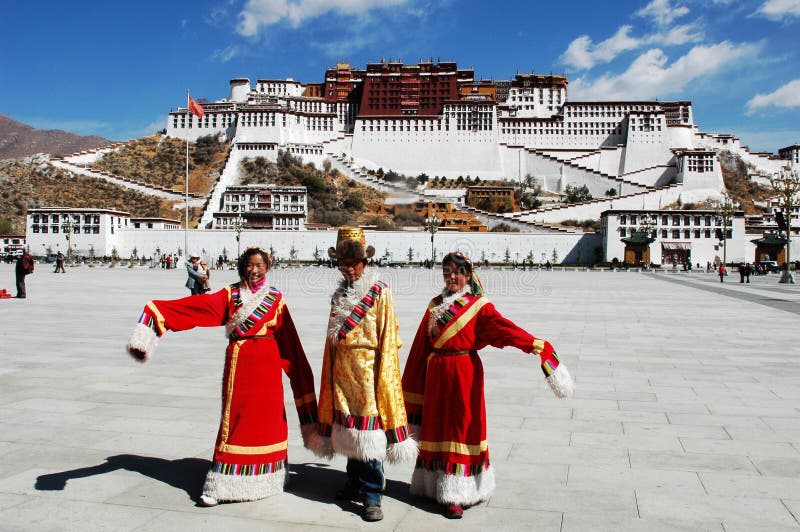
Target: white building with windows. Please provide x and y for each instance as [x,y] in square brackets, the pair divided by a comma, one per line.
[678,236]
[263,206]
[81,231]
[11,245]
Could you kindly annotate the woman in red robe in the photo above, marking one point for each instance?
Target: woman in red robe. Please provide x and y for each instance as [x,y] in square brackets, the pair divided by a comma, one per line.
[443,387]
[250,458]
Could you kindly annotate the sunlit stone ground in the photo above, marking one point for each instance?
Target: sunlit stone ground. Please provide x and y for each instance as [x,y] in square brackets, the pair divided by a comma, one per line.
[686,415]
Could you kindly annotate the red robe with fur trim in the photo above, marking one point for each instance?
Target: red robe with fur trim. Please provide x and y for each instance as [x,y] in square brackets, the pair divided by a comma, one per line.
[251,448]
[443,390]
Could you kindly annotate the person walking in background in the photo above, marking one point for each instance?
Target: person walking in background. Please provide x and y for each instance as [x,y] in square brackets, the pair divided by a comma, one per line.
[60,263]
[443,387]
[23,268]
[205,286]
[250,454]
[748,269]
[196,279]
[361,410]
[722,272]
[742,271]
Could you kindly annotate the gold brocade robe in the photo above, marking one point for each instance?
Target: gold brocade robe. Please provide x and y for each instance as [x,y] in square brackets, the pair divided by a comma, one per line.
[361,410]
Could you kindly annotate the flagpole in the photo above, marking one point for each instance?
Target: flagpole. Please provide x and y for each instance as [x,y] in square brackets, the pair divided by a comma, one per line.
[186,191]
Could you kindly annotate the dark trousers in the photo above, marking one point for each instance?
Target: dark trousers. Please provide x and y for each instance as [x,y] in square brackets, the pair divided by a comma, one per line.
[367,480]
[21,285]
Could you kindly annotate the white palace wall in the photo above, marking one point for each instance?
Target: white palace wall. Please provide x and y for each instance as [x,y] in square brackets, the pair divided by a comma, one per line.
[493,246]
[434,152]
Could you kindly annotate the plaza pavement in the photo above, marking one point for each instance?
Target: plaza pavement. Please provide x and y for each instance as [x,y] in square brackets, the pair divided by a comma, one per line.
[686,414]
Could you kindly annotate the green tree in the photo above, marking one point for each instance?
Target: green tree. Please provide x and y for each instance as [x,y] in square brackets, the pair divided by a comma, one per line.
[577,194]
[554,257]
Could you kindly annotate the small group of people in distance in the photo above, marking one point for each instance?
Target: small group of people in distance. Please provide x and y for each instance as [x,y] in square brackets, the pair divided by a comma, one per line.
[432,413]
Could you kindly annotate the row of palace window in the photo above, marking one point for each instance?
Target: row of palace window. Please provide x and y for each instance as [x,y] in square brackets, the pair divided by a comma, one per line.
[208,120]
[87,229]
[65,218]
[676,233]
[615,111]
[676,220]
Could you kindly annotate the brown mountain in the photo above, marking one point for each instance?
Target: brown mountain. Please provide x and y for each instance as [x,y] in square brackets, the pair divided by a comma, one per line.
[20,140]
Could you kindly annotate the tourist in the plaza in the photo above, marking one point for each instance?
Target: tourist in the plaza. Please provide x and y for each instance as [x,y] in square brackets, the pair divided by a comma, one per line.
[443,387]
[748,269]
[23,268]
[722,272]
[202,268]
[196,278]
[361,411]
[250,458]
[60,263]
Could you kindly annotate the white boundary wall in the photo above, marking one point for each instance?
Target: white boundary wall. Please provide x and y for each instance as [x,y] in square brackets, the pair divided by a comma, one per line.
[492,246]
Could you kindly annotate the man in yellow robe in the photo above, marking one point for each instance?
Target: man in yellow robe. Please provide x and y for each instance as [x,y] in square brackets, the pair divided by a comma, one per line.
[361,410]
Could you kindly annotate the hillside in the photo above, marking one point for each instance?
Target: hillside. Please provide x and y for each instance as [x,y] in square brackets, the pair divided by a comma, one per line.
[34,182]
[20,140]
[741,189]
[332,197]
[161,161]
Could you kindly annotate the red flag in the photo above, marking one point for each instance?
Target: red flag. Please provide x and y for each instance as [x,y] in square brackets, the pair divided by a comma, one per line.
[195,108]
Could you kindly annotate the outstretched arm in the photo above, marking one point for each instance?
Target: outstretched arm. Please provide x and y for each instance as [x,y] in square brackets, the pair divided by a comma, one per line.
[160,316]
[499,331]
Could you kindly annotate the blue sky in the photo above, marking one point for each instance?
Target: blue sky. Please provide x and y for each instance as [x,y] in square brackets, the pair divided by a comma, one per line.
[115,69]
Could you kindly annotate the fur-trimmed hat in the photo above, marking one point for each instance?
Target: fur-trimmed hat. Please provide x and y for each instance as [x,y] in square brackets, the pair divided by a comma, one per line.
[351,244]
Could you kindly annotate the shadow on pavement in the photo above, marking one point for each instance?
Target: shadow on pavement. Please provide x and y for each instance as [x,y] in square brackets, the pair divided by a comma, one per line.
[187,474]
[318,482]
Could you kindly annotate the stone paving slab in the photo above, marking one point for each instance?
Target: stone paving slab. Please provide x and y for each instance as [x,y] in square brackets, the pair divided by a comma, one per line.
[686,415]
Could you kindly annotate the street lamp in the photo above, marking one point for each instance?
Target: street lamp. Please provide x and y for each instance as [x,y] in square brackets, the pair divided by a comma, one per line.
[431,226]
[787,184]
[68,228]
[238,225]
[725,210]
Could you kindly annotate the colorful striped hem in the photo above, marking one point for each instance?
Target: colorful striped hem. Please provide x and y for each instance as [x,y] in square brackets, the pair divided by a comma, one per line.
[452,468]
[247,470]
[397,435]
[550,365]
[148,320]
[357,422]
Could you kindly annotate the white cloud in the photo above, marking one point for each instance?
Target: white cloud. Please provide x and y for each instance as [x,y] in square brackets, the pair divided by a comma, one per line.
[677,36]
[582,54]
[650,75]
[787,96]
[223,55]
[778,10]
[662,12]
[258,14]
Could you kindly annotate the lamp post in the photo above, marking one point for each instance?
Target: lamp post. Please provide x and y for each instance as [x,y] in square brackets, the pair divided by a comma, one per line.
[69,236]
[431,226]
[725,209]
[238,225]
[787,184]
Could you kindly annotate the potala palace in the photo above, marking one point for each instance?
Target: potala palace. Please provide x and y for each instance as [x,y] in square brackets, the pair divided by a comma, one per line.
[436,118]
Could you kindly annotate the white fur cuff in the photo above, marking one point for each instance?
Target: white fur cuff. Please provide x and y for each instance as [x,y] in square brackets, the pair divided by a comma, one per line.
[561,382]
[405,451]
[319,445]
[309,434]
[143,339]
